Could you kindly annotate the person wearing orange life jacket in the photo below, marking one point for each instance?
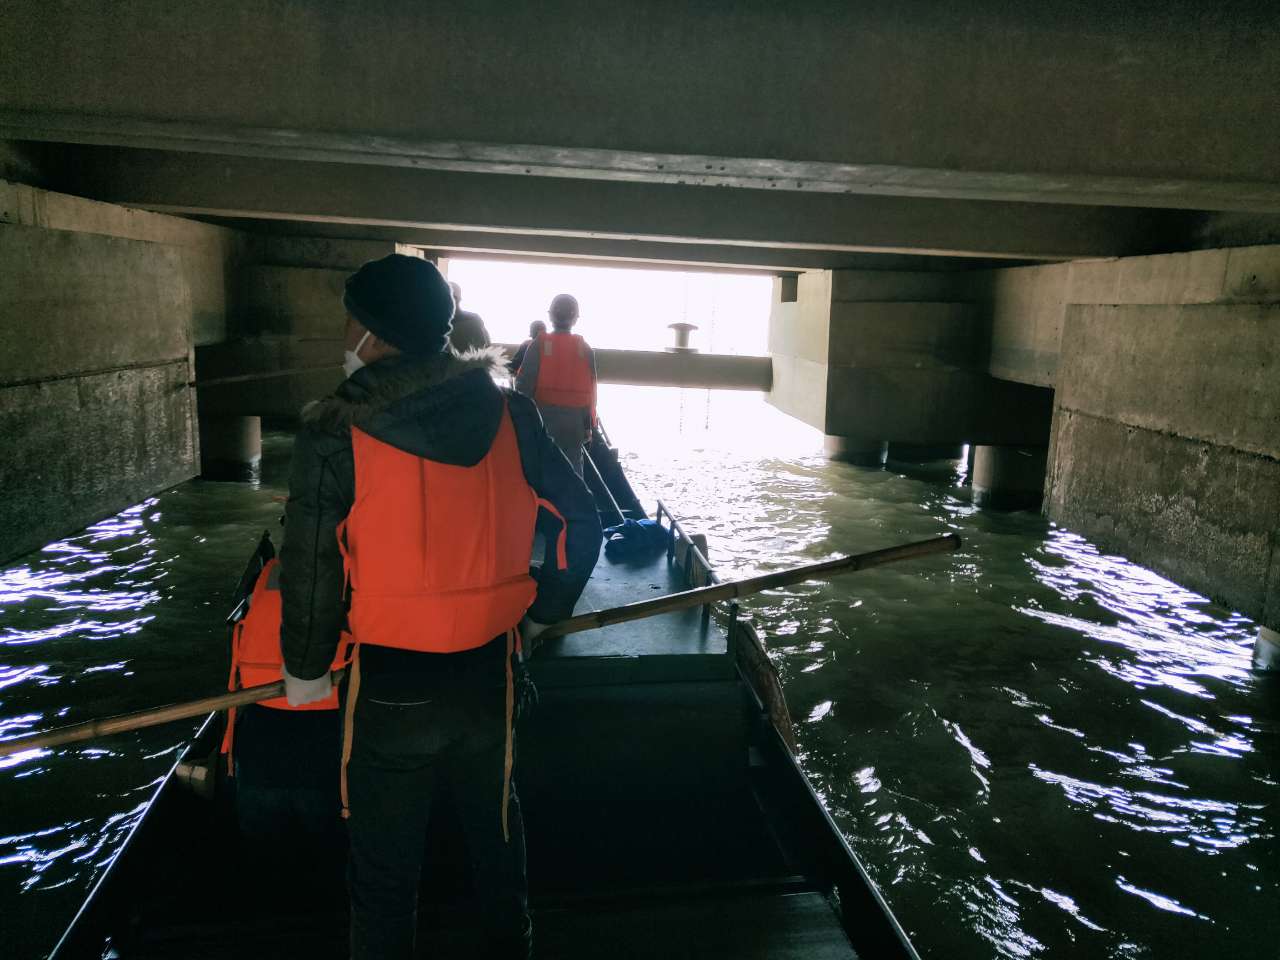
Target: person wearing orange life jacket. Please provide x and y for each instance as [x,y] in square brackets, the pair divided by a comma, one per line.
[414,498]
[559,372]
[283,760]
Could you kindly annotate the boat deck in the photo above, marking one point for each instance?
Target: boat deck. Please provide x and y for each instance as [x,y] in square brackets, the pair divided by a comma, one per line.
[672,646]
[648,719]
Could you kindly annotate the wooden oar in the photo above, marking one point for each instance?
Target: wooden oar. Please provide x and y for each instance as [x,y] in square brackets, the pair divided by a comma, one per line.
[92,729]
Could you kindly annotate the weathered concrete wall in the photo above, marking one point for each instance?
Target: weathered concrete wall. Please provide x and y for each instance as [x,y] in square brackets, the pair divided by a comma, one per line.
[100,307]
[288,317]
[896,356]
[22,162]
[903,371]
[1166,443]
[1166,428]
[322,253]
[303,302]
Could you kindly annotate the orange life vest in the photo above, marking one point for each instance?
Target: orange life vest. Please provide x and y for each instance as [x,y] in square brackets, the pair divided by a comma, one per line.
[255,651]
[565,375]
[437,555]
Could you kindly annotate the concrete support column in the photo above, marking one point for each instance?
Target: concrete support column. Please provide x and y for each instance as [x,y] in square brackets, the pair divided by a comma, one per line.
[1266,651]
[1009,478]
[925,453]
[230,448]
[856,450]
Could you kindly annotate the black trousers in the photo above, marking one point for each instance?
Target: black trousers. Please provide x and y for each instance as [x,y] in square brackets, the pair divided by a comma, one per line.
[403,753]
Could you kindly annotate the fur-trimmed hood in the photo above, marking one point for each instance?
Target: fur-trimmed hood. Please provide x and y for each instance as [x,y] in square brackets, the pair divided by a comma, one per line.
[445,407]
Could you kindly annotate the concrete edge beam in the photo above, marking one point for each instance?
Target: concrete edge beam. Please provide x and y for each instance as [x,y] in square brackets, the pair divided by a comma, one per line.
[751,173]
[28,206]
[596,210]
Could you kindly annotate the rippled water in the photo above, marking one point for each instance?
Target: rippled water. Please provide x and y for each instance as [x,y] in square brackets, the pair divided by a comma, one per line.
[124,616]
[1036,749]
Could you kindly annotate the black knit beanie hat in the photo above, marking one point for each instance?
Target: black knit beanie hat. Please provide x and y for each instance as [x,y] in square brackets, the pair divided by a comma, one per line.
[404,301]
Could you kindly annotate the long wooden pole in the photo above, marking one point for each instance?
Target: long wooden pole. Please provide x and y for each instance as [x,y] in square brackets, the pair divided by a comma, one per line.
[92,729]
[733,589]
[590,464]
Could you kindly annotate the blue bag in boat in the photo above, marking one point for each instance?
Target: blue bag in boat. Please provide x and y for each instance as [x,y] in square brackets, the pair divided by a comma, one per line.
[635,539]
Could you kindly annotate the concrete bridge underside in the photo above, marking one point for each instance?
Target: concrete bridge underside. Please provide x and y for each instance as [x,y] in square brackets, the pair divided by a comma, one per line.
[1045,230]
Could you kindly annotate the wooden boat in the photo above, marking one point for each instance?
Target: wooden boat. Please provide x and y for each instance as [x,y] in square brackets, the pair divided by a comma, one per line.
[665,814]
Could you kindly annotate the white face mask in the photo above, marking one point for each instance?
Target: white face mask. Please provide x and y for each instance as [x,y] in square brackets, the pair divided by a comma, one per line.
[351,361]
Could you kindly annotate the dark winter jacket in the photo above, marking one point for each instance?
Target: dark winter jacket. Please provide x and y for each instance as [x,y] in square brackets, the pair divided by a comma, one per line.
[445,408]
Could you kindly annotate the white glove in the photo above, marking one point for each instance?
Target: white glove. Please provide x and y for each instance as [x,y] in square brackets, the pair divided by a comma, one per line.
[530,629]
[298,692]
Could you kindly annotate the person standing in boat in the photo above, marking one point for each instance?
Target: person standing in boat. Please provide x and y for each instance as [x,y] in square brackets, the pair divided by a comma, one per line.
[468,331]
[536,329]
[413,500]
[560,375]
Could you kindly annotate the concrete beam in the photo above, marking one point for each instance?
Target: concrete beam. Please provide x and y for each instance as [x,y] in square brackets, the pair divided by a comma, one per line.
[594,251]
[869,358]
[73,303]
[598,210]
[1201,372]
[1028,306]
[710,371]
[275,376]
[635,167]
[839,97]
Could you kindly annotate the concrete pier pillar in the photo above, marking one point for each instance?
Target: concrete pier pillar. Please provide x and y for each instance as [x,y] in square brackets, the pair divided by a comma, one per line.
[926,452]
[1266,651]
[230,448]
[1009,478]
[856,450]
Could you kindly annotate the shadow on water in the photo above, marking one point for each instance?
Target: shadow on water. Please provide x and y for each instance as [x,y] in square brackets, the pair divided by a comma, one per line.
[1037,749]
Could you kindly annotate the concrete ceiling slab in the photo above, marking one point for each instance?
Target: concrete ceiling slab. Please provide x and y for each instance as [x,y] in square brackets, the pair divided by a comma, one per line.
[1135,104]
[750,173]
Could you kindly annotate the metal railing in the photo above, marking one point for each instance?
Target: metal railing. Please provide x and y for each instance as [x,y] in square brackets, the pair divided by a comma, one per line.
[744,642]
[688,554]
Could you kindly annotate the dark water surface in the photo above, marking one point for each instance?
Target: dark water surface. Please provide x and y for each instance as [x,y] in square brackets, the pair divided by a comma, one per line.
[1036,749]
